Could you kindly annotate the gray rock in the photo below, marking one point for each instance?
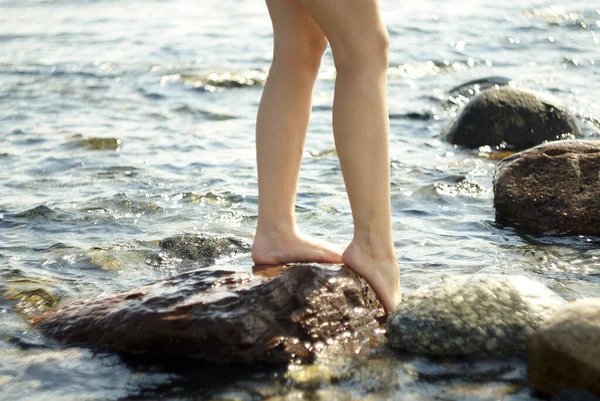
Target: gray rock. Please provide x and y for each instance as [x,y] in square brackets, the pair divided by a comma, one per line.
[469,315]
[513,118]
[202,247]
[552,188]
[564,353]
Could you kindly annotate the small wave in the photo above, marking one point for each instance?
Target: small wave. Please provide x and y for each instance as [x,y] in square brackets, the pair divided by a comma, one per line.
[203,113]
[39,211]
[120,204]
[413,115]
[211,81]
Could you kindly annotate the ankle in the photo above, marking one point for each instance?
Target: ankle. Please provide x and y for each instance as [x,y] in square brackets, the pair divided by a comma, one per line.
[276,230]
[374,248]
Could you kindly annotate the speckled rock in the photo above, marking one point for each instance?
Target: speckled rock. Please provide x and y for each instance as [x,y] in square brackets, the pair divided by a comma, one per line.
[564,352]
[513,118]
[552,188]
[226,316]
[469,315]
[202,247]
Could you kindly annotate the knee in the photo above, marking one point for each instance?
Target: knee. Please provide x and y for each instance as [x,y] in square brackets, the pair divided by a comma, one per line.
[300,52]
[367,53]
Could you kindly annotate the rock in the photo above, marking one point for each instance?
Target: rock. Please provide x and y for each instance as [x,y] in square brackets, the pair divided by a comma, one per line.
[575,395]
[225,316]
[97,143]
[471,315]
[460,95]
[202,247]
[30,301]
[564,353]
[512,118]
[552,188]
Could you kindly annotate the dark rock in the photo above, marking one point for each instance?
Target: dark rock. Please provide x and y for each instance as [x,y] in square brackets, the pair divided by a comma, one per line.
[552,188]
[471,315]
[202,247]
[225,316]
[575,395]
[460,95]
[564,353]
[512,118]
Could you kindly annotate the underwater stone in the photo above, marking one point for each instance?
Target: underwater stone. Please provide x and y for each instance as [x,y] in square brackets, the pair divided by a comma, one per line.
[96,143]
[203,247]
[513,118]
[564,353]
[226,316]
[31,302]
[471,315]
[552,188]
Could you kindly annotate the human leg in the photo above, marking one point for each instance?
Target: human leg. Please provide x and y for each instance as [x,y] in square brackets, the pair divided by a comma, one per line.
[359,42]
[281,127]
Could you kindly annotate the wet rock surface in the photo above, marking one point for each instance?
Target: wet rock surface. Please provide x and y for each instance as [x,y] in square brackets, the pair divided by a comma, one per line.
[202,248]
[472,315]
[225,316]
[564,353]
[460,95]
[552,188]
[511,118]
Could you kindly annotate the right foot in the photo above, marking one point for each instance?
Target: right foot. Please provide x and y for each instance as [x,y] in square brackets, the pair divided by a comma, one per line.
[383,275]
[292,248]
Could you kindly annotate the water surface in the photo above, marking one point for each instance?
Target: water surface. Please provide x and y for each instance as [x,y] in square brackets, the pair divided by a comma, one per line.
[178,83]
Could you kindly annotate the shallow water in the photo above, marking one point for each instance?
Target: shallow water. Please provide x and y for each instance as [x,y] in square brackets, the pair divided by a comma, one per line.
[178,83]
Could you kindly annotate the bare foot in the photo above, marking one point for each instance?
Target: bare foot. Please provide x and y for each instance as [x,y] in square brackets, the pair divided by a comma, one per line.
[292,248]
[382,275]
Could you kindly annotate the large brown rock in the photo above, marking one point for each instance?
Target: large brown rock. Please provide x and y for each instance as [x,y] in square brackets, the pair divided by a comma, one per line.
[552,188]
[564,353]
[226,316]
[513,118]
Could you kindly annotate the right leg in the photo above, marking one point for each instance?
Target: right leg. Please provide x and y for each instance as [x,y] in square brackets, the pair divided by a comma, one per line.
[281,126]
[359,42]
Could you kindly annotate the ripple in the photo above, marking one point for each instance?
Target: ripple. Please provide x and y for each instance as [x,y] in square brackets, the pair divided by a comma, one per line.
[203,113]
[211,81]
[118,204]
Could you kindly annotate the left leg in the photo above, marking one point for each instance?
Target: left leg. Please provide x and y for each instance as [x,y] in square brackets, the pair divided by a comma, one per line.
[281,127]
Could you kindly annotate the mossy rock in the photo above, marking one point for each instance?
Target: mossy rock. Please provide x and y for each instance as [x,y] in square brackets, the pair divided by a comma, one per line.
[99,143]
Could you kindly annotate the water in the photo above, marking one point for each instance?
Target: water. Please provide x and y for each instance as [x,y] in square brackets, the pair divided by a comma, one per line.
[178,83]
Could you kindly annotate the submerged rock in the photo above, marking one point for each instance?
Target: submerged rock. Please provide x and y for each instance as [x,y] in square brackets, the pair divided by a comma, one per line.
[564,353]
[225,316]
[552,188]
[30,302]
[471,315]
[97,143]
[202,247]
[513,118]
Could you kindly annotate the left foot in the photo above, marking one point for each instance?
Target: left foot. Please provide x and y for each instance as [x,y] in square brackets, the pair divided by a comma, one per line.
[280,249]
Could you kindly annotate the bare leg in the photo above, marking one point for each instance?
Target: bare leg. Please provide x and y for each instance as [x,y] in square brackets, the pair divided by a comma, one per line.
[281,127]
[359,42]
